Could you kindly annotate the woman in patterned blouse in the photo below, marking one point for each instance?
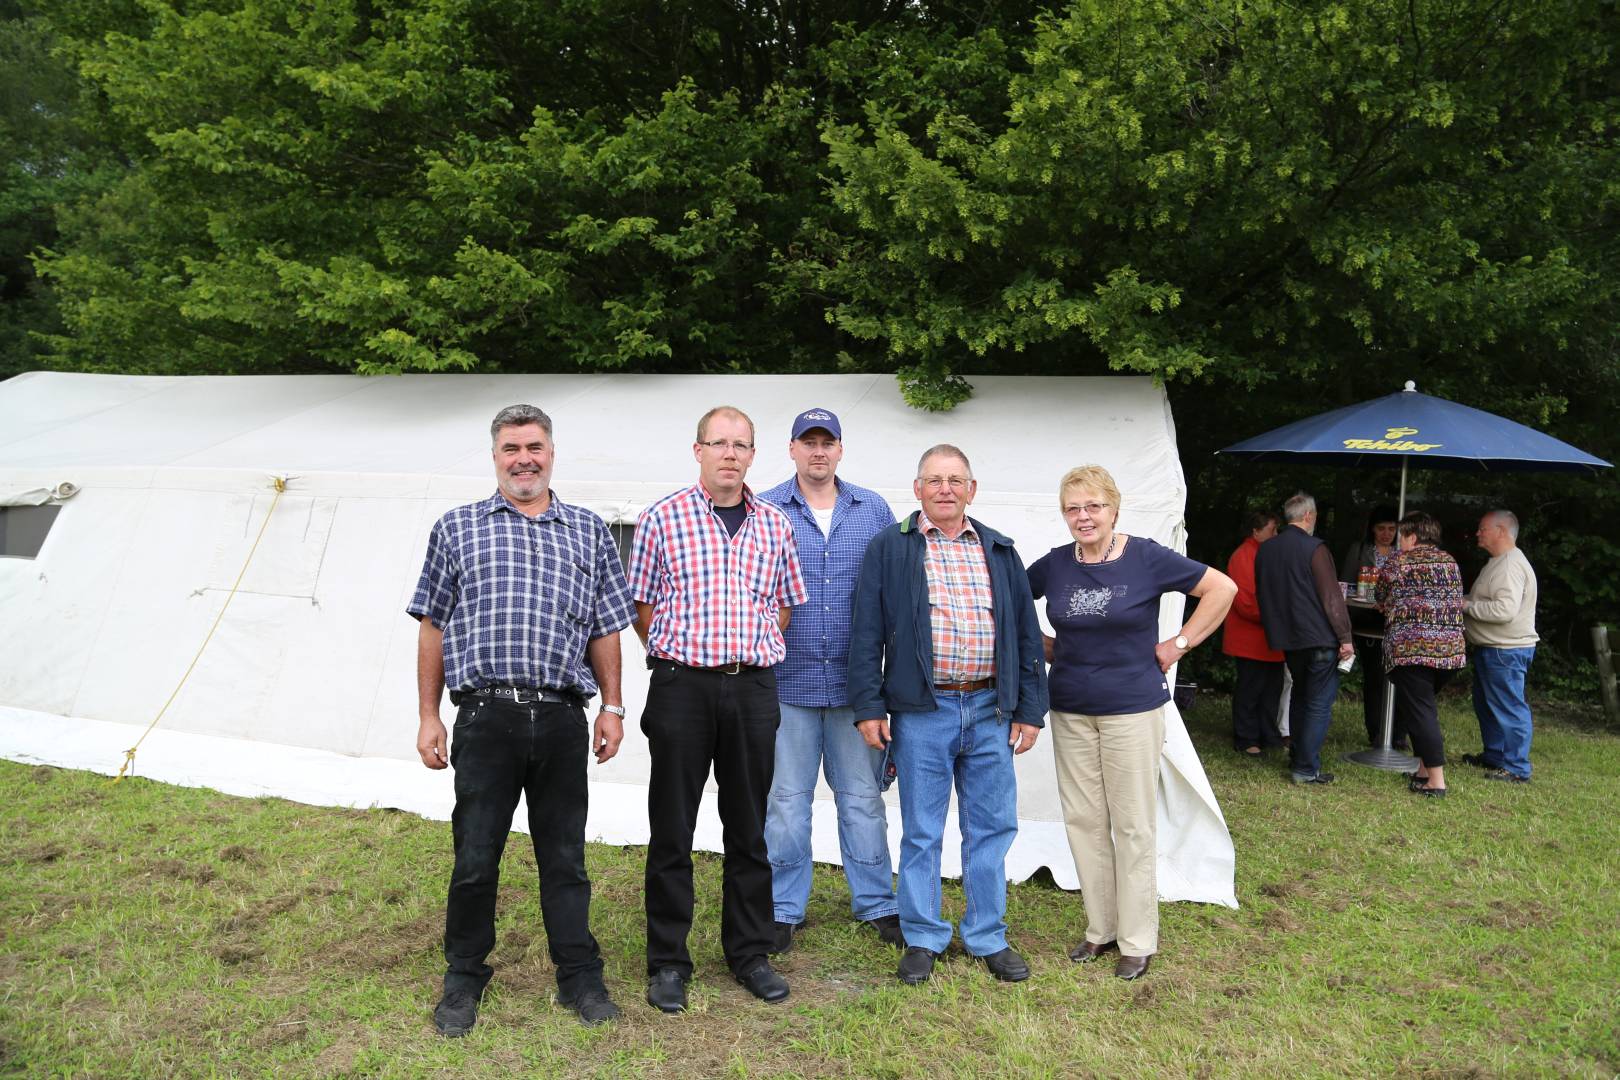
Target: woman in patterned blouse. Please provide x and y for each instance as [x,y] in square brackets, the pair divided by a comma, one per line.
[1420,593]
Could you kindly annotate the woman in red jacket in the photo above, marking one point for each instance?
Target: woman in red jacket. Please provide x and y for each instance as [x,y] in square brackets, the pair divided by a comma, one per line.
[1259,666]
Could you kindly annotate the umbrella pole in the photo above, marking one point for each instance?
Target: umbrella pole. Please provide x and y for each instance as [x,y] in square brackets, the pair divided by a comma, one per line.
[1384,756]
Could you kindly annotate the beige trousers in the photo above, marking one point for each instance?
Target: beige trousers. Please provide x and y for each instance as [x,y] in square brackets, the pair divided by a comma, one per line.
[1108,779]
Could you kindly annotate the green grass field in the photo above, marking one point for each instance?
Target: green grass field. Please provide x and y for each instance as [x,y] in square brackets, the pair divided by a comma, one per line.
[159,931]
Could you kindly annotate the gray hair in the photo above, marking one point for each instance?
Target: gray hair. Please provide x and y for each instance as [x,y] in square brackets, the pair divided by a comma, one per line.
[1508,520]
[1298,507]
[518,416]
[944,450]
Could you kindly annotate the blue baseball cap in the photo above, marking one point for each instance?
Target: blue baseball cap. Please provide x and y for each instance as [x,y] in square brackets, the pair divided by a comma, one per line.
[816,418]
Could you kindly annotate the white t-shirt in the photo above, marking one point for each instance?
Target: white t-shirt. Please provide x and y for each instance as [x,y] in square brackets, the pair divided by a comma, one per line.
[823,519]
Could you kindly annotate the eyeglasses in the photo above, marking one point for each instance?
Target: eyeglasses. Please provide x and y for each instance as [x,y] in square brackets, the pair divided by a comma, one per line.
[1089,509]
[719,445]
[934,483]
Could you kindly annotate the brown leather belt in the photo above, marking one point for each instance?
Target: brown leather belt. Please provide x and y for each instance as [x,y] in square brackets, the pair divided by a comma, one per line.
[966,687]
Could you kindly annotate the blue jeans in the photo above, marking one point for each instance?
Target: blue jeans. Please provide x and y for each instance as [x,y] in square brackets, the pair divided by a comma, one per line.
[1310,709]
[963,740]
[1504,714]
[809,740]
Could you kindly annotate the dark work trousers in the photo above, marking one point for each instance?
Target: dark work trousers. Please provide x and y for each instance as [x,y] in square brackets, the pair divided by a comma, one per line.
[1417,711]
[694,718]
[1370,655]
[502,750]
[1255,702]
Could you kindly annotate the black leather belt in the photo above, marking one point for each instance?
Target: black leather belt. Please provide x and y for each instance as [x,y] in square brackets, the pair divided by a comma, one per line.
[519,695]
[733,668]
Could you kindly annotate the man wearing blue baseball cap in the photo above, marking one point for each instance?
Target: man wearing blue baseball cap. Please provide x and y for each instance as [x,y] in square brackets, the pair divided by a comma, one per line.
[833,521]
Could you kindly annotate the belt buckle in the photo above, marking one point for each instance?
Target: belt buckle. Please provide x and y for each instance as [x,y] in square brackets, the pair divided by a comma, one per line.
[734,669]
[518,698]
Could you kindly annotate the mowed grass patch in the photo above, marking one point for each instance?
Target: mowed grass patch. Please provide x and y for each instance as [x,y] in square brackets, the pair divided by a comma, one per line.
[158,931]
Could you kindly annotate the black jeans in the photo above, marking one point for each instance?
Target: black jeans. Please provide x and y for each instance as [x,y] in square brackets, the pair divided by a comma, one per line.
[1417,711]
[502,750]
[1255,702]
[694,718]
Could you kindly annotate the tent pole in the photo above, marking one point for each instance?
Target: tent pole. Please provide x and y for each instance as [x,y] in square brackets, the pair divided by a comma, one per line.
[1402,511]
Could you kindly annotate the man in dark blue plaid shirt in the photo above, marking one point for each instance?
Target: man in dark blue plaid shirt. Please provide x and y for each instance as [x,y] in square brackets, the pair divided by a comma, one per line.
[833,521]
[520,602]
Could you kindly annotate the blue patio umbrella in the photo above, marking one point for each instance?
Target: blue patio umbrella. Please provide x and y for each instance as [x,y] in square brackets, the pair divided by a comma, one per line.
[1413,427]
[1416,428]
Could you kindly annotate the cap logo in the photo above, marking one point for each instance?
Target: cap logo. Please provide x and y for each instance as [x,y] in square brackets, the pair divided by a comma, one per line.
[815,414]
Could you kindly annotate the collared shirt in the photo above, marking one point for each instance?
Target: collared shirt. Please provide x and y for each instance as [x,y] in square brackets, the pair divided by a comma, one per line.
[817,665]
[714,596]
[959,604]
[519,598]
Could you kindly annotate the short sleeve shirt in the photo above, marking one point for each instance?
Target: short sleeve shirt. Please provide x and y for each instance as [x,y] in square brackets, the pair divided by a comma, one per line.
[714,596]
[1106,618]
[519,598]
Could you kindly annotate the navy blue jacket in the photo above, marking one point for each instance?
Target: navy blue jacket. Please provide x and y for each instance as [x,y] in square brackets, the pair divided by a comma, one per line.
[891,643]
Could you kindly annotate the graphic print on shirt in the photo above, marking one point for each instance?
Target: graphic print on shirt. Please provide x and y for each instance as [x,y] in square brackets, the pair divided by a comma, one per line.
[1093,601]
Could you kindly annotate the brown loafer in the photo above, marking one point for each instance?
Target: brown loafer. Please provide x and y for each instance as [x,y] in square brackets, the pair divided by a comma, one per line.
[1087,951]
[1131,967]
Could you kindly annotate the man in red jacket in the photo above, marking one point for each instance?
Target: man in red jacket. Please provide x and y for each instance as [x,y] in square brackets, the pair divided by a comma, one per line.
[1259,666]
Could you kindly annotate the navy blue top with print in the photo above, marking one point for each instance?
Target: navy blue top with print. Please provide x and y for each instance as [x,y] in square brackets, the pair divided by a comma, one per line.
[1106,616]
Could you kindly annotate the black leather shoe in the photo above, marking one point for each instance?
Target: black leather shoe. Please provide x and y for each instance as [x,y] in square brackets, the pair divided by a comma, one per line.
[456,1013]
[916,965]
[888,930]
[1131,967]
[666,991]
[1007,965]
[1087,951]
[1306,778]
[1477,760]
[782,937]
[593,1007]
[764,983]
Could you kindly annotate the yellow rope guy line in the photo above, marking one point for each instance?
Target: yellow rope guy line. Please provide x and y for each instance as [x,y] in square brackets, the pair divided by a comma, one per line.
[129,755]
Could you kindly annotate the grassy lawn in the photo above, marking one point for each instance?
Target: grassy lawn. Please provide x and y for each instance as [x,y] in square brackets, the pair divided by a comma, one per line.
[159,931]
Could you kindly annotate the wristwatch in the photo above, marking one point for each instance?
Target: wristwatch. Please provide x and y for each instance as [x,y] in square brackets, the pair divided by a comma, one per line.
[616,710]
[1182,643]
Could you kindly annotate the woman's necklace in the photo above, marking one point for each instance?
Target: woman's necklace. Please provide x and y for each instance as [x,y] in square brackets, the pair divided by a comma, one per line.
[1112,540]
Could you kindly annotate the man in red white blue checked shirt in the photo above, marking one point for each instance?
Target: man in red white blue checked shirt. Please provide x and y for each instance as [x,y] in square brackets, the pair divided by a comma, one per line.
[713,572]
[833,521]
[520,604]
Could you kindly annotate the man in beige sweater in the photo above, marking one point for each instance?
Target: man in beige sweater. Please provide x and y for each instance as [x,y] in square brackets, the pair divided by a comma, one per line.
[1500,621]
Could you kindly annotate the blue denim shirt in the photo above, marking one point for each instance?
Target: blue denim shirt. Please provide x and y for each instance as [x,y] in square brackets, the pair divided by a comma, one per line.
[814,673]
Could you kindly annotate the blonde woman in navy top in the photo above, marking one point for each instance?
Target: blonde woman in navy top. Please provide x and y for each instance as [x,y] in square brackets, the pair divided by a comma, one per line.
[1108,687]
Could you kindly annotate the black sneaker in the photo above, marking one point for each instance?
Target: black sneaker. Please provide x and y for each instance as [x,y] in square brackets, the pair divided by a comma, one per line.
[456,1013]
[1477,760]
[1307,778]
[782,937]
[1505,776]
[593,1007]
[888,930]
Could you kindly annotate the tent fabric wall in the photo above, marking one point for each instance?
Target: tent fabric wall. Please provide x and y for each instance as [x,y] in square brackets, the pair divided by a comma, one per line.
[314,661]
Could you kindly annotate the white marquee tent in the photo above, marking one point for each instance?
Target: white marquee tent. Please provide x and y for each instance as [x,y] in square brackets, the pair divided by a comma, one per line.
[306,690]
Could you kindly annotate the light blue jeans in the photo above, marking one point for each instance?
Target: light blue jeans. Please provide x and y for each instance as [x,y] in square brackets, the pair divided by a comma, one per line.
[964,741]
[1500,705]
[808,741]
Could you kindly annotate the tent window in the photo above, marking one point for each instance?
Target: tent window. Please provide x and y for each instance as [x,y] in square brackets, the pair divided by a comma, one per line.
[624,534]
[23,529]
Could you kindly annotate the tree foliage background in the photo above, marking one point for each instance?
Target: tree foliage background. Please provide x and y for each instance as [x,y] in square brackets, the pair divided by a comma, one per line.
[1274,207]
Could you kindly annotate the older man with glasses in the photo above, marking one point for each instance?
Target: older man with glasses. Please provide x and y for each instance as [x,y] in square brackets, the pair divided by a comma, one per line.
[945,660]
